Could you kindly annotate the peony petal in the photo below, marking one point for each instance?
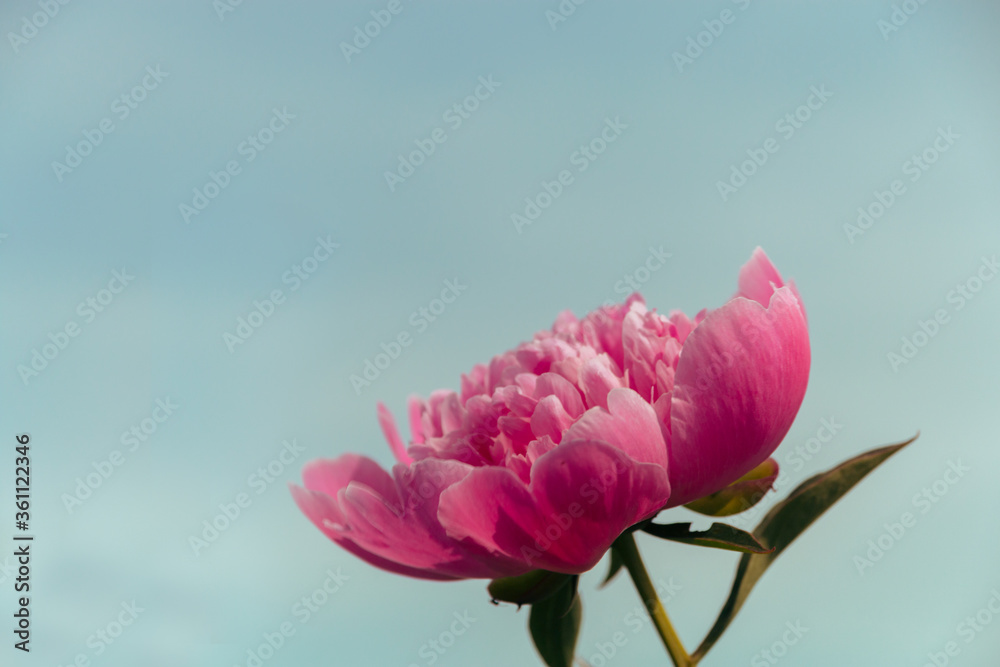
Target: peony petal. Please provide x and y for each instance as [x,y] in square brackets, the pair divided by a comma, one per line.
[329,476]
[582,496]
[740,380]
[598,377]
[539,447]
[493,508]
[392,523]
[416,408]
[410,534]
[682,324]
[629,423]
[391,434]
[758,278]
[601,489]
[324,512]
[550,419]
[552,384]
[452,413]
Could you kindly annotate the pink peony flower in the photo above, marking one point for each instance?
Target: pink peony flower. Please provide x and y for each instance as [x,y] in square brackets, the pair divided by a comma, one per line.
[553,449]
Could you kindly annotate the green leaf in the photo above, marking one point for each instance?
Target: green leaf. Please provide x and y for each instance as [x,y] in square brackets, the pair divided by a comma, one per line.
[616,564]
[786,521]
[718,536]
[739,496]
[527,588]
[555,623]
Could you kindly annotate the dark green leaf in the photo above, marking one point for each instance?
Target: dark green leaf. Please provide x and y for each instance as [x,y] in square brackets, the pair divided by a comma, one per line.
[741,495]
[555,623]
[528,588]
[786,521]
[718,536]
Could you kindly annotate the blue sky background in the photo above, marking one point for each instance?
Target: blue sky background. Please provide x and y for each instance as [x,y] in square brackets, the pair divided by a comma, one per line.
[323,176]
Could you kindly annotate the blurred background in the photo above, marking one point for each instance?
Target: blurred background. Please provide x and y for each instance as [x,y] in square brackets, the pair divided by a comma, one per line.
[213,214]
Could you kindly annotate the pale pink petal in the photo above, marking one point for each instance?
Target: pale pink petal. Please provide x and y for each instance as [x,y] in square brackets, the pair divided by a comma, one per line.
[598,377]
[550,419]
[758,278]
[664,377]
[683,324]
[629,423]
[452,413]
[416,409]
[539,447]
[551,384]
[565,321]
[432,417]
[474,382]
[526,382]
[569,368]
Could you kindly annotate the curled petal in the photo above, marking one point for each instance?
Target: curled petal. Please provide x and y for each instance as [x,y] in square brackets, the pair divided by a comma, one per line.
[550,419]
[740,380]
[629,423]
[582,496]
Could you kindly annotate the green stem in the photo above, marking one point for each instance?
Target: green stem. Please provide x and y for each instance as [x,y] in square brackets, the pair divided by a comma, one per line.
[633,562]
